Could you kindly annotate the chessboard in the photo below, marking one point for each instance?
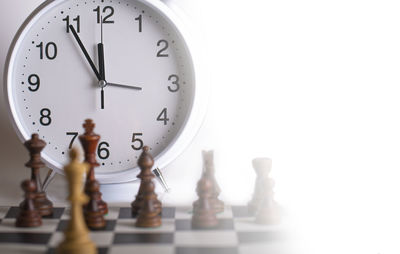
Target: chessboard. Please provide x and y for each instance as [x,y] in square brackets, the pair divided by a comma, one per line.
[236,233]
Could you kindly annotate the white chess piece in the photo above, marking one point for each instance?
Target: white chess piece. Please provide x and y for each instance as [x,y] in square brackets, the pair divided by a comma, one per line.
[268,210]
[262,166]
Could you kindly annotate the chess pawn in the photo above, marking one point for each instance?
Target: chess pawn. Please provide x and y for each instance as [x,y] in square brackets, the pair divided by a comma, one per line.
[76,237]
[262,167]
[268,211]
[145,163]
[93,216]
[89,141]
[203,213]
[149,213]
[28,215]
[35,146]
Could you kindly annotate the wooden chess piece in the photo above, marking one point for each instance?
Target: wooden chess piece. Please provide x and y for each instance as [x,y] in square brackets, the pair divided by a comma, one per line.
[209,172]
[35,146]
[203,212]
[149,213]
[28,215]
[145,163]
[262,167]
[268,211]
[89,141]
[93,216]
[76,237]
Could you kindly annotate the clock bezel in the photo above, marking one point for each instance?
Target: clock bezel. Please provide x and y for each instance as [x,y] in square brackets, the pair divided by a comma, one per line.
[175,147]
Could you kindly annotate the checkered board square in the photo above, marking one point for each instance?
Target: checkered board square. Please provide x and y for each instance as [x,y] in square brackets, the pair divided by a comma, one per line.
[236,233]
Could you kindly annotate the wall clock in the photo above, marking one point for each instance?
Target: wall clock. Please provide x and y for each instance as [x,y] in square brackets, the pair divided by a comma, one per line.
[130,65]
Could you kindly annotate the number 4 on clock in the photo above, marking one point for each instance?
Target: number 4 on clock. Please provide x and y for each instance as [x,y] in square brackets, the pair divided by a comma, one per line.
[163,116]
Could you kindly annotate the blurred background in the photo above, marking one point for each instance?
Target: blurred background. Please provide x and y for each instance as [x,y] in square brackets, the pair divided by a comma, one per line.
[314,85]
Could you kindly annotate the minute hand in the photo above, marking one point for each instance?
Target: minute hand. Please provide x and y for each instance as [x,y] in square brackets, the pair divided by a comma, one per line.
[78,40]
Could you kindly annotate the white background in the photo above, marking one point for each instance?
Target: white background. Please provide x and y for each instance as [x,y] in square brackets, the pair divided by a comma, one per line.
[312,84]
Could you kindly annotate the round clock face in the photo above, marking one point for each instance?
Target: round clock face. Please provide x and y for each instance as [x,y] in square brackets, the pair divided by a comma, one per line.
[138,89]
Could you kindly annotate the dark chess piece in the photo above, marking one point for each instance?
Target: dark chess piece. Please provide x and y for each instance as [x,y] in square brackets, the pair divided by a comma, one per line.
[149,213]
[89,141]
[203,212]
[28,215]
[209,172]
[93,216]
[145,163]
[35,146]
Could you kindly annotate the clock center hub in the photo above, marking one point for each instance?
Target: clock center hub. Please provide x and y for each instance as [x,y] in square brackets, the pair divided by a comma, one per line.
[102,83]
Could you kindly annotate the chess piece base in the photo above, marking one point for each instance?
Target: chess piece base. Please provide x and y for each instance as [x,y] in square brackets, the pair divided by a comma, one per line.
[95,220]
[135,205]
[42,204]
[102,206]
[149,222]
[204,221]
[268,214]
[268,219]
[26,220]
[217,205]
[76,247]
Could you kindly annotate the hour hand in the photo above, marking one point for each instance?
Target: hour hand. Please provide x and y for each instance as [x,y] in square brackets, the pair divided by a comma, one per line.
[100,49]
[78,40]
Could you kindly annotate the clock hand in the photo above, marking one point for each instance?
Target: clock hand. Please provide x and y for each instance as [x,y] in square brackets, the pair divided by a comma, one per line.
[78,40]
[126,86]
[100,50]
[102,82]
[102,98]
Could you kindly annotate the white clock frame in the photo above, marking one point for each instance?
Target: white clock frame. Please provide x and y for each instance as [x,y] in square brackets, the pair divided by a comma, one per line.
[176,146]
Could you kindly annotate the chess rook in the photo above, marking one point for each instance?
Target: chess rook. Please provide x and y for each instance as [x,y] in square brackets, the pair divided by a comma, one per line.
[262,167]
[35,146]
[263,204]
[145,163]
[76,237]
[28,215]
[89,141]
[268,211]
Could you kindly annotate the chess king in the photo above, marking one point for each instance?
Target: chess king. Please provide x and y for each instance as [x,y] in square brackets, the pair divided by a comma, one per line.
[76,239]
[130,65]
